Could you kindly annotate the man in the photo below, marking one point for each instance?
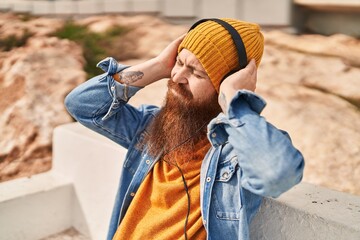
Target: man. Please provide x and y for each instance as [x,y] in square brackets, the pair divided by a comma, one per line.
[198,167]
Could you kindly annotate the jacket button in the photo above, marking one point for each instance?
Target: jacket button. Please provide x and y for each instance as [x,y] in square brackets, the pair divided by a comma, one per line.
[132,194]
[208,179]
[225,175]
[213,135]
[112,88]
[148,162]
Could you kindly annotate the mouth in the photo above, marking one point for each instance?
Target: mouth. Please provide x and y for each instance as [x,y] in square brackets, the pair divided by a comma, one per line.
[179,90]
[176,92]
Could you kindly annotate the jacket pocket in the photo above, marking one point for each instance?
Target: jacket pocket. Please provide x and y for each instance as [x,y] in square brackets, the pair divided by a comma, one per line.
[226,191]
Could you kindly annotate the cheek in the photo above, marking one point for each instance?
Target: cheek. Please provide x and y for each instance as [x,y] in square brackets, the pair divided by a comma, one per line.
[174,71]
[199,88]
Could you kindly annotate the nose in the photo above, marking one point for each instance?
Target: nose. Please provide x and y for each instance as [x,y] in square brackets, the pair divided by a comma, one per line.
[179,75]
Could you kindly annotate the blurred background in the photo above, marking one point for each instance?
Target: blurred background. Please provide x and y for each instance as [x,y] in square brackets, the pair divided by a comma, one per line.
[309,75]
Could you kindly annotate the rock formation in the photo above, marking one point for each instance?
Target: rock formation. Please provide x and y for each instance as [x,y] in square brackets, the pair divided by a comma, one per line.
[34,80]
[311,84]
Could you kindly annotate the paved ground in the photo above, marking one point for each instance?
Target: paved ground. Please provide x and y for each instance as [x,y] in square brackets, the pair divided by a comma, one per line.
[69,234]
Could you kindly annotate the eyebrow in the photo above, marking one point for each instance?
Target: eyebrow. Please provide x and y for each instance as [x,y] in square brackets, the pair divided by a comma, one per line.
[192,66]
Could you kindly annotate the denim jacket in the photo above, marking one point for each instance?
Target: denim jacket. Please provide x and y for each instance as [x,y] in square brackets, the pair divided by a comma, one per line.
[249,158]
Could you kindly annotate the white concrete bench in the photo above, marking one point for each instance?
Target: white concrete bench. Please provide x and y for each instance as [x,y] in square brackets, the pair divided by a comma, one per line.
[79,192]
[328,16]
[331,5]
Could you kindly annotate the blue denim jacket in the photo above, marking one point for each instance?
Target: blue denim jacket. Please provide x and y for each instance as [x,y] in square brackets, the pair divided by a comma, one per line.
[248,159]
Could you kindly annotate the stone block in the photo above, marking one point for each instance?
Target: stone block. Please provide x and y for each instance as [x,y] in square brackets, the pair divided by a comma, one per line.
[145,6]
[308,212]
[66,7]
[215,8]
[329,23]
[90,161]
[5,5]
[267,12]
[33,208]
[185,8]
[90,7]
[116,6]
[43,7]
[22,6]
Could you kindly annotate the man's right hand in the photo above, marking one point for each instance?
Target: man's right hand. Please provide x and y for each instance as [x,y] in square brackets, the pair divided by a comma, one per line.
[152,70]
[167,58]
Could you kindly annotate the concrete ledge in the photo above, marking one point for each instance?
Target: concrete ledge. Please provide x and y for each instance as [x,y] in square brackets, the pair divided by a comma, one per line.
[330,5]
[218,9]
[43,7]
[185,8]
[5,5]
[32,208]
[145,6]
[79,192]
[22,6]
[266,12]
[116,6]
[328,17]
[263,12]
[93,164]
[66,7]
[90,7]
[309,212]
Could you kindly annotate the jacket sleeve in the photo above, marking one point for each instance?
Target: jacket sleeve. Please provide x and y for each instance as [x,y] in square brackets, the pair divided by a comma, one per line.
[269,162]
[101,105]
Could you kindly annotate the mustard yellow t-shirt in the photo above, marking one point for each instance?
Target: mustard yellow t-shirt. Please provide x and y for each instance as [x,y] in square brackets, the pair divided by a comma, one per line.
[159,207]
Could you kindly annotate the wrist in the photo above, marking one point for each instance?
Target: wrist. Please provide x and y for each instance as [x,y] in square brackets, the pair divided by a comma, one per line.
[162,68]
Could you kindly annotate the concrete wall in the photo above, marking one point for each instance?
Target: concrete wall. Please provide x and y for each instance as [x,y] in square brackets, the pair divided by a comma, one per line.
[80,189]
[328,17]
[267,12]
[92,163]
[31,208]
[309,212]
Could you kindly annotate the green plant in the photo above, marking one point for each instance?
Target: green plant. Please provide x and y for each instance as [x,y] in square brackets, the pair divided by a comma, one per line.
[25,17]
[13,41]
[96,46]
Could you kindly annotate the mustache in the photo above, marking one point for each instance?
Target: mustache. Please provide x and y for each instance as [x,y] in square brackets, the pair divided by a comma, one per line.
[180,89]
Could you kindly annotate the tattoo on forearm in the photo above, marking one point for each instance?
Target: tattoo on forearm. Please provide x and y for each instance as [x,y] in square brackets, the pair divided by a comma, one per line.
[130,77]
[222,101]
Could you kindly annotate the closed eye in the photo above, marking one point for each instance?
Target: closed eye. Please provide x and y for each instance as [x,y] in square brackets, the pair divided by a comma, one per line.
[178,62]
[198,76]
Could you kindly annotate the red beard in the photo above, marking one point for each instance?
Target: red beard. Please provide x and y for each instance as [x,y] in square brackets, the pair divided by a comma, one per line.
[180,124]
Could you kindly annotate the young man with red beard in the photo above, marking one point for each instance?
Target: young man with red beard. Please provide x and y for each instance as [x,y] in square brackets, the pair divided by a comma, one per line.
[198,167]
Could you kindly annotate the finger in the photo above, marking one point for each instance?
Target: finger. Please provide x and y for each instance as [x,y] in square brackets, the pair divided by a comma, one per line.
[179,39]
[182,36]
[251,67]
[175,43]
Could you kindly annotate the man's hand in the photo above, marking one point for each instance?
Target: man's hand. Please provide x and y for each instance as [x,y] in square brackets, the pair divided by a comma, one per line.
[244,79]
[157,68]
[167,58]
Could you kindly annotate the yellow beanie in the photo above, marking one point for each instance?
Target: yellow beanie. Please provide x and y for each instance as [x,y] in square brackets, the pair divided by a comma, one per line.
[213,46]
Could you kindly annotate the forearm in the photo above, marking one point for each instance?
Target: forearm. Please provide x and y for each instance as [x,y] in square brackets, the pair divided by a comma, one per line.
[152,70]
[269,161]
[101,105]
[142,74]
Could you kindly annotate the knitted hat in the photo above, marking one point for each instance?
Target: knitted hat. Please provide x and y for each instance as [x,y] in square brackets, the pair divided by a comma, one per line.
[213,46]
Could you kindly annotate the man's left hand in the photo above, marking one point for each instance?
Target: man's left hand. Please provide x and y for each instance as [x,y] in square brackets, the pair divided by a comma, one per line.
[244,79]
